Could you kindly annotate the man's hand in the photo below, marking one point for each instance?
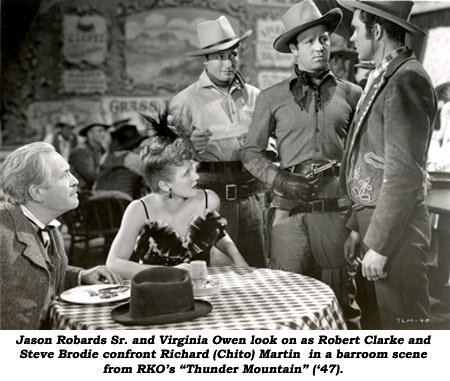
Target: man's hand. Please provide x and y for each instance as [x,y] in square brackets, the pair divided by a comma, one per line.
[100,275]
[350,245]
[200,139]
[373,265]
[292,186]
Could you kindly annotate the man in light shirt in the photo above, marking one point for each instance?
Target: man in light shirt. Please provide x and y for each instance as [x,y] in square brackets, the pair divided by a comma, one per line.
[216,112]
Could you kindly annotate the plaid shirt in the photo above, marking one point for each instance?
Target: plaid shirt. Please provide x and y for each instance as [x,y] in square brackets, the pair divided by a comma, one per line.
[381,68]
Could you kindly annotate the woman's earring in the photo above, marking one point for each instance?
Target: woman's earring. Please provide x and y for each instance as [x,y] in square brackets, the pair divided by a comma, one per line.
[170,193]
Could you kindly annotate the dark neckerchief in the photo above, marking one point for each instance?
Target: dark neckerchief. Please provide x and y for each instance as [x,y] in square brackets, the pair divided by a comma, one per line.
[305,81]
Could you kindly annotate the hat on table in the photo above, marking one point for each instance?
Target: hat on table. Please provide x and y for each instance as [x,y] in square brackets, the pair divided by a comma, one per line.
[398,12]
[160,295]
[302,16]
[216,36]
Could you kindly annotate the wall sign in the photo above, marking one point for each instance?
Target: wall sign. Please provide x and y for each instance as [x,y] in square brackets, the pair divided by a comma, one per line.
[84,82]
[42,116]
[273,3]
[122,107]
[267,30]
[84,39]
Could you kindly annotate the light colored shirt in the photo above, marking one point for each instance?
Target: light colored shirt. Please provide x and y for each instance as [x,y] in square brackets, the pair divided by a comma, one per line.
[205,106]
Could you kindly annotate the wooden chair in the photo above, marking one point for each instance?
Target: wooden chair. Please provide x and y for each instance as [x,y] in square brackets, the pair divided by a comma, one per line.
[98,216]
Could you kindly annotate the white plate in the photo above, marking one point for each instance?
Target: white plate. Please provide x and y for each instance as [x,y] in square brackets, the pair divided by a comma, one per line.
[212,288]
[86,294]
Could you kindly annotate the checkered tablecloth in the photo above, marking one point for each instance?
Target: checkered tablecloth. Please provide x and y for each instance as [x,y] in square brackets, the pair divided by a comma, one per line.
[249,299]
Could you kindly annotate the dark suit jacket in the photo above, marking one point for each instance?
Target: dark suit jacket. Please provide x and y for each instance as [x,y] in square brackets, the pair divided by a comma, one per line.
[385,156]
[85,163]
[26,271]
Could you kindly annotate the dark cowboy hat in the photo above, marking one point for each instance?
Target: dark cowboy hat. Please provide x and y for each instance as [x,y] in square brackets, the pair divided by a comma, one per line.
[398,12]
[126,136]
[120,122]
[94,121]
[160,295]
[216,36]
[303,16]
[339,46]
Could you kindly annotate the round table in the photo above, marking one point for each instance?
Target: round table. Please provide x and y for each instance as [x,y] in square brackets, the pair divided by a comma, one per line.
[249,298]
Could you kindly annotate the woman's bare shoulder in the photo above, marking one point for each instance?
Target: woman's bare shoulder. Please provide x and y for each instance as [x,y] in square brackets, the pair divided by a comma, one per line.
[213,200]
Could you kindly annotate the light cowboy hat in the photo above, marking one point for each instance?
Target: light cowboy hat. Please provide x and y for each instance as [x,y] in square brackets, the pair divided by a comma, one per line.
[216,36]
[64,120]
[303,16]
[160,295]
[398,12]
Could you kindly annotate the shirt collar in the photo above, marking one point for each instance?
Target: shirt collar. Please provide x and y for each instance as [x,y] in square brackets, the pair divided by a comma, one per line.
[238,81]
[382,67]
[294,77]
[37,221]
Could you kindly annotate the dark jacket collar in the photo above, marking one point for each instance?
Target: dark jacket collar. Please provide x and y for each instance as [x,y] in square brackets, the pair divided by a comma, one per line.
[27,235]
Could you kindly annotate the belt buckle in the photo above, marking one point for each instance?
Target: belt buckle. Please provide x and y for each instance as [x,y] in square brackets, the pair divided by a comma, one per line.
[318,206]
[230,192]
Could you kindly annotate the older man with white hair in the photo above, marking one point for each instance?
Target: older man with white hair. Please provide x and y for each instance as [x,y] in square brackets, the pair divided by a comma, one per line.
[39,187]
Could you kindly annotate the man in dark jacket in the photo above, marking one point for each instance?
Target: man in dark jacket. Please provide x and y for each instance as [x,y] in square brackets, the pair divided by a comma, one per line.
[384,164]
[120,168]
[85,159]
[309,114]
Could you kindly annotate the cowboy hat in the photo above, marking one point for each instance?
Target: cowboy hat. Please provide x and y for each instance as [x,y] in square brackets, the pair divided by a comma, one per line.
[303,16]
[216,36]
[126,137]
[64,120]
[160,295]
[339,47]
[397,12]
[94,121]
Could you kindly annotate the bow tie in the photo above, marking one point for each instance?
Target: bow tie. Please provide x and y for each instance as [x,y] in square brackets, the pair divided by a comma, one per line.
[44,235]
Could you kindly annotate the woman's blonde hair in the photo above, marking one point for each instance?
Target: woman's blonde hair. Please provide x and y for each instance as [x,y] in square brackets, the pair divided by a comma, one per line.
[166,147]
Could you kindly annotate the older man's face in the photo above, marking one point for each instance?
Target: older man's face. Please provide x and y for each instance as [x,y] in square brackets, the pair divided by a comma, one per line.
[312,49]
[59,194]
